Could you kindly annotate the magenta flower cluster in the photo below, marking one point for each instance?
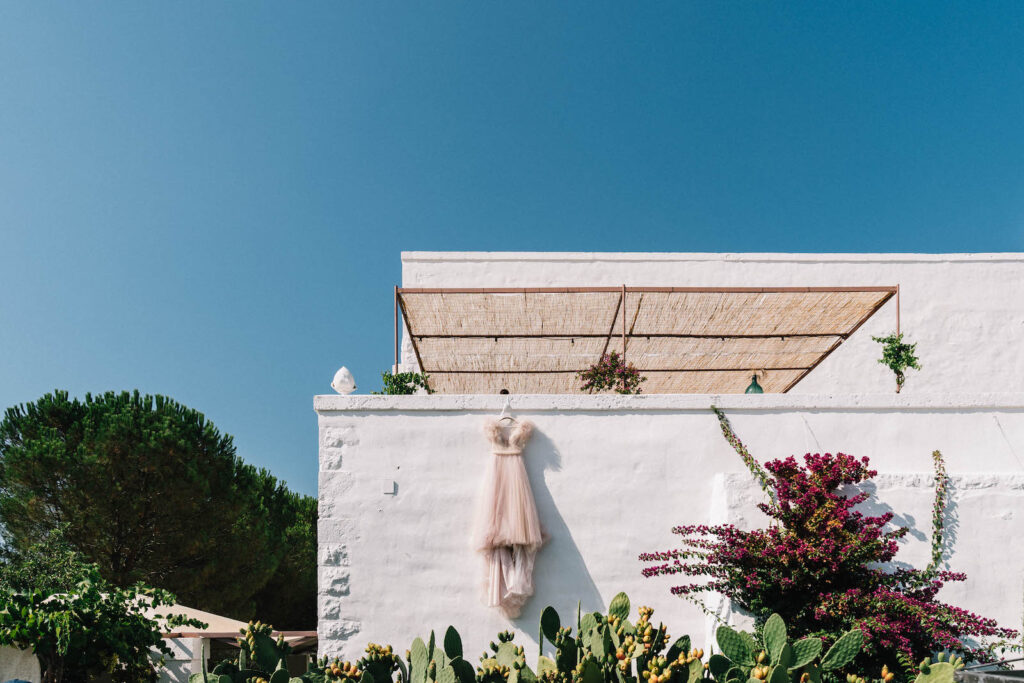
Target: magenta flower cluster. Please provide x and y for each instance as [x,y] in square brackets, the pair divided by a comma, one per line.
[611,373]
[821,565]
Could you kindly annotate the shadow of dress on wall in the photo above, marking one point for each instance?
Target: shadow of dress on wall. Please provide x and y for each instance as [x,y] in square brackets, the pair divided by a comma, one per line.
[508,533]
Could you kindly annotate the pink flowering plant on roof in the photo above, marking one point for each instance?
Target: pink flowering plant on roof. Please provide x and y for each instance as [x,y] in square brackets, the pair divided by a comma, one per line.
[613,373]
[824,566]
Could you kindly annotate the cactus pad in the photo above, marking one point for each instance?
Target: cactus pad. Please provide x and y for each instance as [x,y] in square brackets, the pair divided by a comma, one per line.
[734,646]
[550,623]
[774,637]
[719,665]
[508,654]
[446,674]
[938,672]
[778,674]
[805,651]
[545,664]
[452,643]
[464,672]
[592,672]
[681,646]
[619,606]
[843,650]
[418,661]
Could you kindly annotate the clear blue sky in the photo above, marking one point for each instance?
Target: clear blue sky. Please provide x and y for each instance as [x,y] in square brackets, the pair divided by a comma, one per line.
[208,200]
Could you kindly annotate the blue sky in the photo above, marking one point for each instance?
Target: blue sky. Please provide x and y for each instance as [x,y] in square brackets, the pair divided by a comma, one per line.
[208,200]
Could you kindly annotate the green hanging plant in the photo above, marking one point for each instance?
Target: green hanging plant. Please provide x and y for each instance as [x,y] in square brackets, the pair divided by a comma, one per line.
[611,372]
[898,356]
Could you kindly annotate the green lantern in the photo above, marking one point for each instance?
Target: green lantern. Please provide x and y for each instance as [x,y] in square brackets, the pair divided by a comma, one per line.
[754,387]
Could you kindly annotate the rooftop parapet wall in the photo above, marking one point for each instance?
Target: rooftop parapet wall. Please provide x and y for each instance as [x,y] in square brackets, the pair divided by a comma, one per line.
[966,311]
[612,475]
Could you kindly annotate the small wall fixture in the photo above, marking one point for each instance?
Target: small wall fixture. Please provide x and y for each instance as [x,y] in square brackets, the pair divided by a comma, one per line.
[754,387]
[343,381]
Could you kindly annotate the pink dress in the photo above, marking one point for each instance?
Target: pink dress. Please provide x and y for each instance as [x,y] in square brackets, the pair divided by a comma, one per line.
[508,532]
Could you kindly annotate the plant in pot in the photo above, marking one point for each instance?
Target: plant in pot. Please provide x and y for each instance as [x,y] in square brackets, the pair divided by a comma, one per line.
[404,383]
[898,356]
[612,372]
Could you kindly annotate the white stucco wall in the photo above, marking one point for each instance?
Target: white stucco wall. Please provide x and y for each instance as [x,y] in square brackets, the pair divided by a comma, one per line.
[963,310]
[612,475]
[185,659]
[18,664]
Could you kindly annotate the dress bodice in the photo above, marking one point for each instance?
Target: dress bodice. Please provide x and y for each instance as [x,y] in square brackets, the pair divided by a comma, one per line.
[510,441]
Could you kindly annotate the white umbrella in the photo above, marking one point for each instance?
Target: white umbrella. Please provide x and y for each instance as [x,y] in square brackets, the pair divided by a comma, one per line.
[508,532]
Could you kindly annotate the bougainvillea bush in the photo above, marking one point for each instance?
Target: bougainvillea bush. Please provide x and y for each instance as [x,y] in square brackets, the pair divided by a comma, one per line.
[613,373]
[824,566]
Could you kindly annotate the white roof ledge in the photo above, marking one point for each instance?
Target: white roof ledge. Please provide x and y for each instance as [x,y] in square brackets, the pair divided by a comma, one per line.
[427,256]
[532,403]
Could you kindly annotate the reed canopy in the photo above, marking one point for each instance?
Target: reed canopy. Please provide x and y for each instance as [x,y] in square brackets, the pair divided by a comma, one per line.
[707,340]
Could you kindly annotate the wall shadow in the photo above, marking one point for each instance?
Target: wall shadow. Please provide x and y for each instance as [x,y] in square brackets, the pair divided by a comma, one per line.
[560,575]
[874,507]
[951,520]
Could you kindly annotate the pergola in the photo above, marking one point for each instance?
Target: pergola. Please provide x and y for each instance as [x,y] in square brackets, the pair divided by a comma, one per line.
[683,339]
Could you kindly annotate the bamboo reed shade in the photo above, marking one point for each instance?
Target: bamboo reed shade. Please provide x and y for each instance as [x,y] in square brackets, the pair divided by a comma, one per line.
[684,340]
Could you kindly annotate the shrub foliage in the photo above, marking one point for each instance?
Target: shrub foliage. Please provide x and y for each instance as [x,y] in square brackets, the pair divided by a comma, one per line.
[824,565]
[151,491]
[91,631]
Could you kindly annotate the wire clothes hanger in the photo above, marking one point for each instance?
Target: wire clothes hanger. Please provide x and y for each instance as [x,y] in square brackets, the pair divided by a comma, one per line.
[504,411]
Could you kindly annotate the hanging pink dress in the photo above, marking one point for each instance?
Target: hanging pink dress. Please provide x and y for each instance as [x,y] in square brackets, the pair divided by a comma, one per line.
[508,532]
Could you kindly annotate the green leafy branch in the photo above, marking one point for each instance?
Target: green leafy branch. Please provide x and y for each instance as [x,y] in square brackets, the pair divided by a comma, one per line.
[753,465]
[938,512]
[404,383]
[898,356]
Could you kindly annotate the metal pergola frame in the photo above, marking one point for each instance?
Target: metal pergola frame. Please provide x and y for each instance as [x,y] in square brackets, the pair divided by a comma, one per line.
[891,291]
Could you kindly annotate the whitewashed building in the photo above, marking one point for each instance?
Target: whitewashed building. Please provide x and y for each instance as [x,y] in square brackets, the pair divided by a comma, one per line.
[613,474]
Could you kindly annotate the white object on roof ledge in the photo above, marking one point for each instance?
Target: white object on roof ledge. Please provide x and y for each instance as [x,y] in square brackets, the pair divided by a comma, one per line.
[343,381]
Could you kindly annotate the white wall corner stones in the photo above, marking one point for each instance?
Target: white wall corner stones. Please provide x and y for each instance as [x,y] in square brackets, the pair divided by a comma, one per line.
[339,437]
[340,482]
[338,631]
[332,555]
[333,531]
[333,580]
[330,607]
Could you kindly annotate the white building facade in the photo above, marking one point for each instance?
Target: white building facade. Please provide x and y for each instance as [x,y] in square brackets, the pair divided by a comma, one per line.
[613,474]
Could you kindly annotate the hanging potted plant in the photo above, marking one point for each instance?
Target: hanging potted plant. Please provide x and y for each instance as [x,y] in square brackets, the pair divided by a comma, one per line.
[611,372]
[898,356]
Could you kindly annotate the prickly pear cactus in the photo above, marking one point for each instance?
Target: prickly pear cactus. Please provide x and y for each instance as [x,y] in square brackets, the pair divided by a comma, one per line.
[261,659]
[734,647]
[774,659]
[259,652]
[843,650]
[605,649]
[939,671]
[380,662]
[338,671]
[428,662]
